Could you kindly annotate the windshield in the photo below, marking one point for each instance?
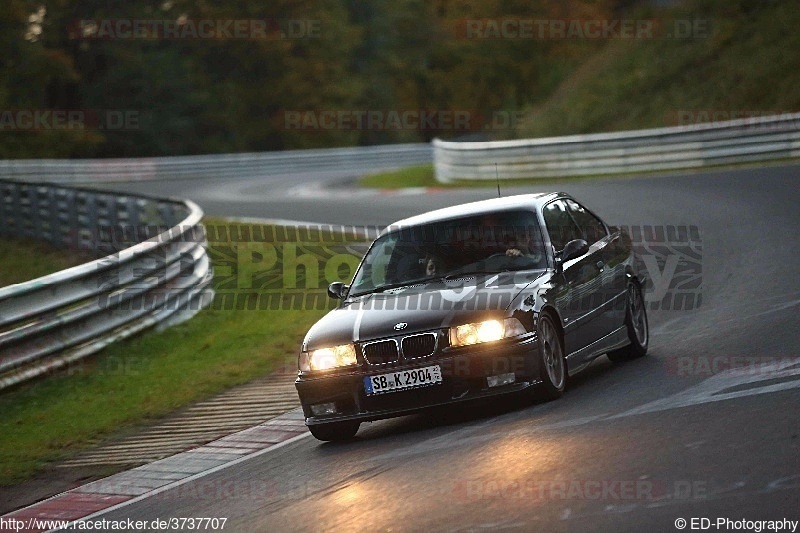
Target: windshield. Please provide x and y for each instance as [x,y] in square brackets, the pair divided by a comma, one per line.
[495,242]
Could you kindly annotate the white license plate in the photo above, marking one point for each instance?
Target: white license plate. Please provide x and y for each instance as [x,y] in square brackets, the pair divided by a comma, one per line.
[403,379]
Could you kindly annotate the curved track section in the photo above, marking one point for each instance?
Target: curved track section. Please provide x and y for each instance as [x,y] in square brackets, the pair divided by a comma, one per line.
[155,272]
[705,426]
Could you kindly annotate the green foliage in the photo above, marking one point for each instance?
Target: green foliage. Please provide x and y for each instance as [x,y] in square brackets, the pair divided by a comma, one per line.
[34,75]
[742,66]
[416,176]
[193,96]
[23,260]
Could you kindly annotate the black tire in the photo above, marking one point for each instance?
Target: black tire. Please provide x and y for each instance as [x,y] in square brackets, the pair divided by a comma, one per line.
[637,326]
[552,364]
[334,431]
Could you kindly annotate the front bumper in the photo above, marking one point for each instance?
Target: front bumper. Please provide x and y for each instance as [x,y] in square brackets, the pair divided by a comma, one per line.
[464,373]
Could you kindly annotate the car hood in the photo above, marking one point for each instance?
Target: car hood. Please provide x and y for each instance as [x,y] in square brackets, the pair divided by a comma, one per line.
[422,307]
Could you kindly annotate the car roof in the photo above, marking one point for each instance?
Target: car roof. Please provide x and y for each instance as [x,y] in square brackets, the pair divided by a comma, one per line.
[520,201]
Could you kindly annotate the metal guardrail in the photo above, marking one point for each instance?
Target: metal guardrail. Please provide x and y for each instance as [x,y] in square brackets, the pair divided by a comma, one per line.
[683,147]
[157,276]
[154,271]
[226,166]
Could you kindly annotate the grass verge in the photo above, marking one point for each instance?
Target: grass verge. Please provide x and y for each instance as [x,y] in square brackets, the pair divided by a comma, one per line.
[149,376]
[23,260]
[416,176]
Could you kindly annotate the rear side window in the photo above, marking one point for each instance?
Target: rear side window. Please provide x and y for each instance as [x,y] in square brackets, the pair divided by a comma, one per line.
[592,229]
[560,225]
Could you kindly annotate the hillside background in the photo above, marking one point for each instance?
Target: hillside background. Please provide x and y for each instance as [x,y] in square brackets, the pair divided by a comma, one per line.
[210,96]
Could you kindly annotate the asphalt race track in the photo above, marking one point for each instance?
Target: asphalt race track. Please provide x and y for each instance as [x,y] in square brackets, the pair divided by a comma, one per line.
[634,446]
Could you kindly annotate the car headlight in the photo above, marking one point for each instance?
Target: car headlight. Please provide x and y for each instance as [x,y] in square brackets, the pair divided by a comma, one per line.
[327,358]
[486,331]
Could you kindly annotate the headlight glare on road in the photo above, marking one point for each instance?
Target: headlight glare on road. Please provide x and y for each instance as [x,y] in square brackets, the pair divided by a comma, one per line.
[327,358]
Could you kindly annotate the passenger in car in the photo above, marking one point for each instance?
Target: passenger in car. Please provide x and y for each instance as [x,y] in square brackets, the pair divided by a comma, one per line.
[433,266]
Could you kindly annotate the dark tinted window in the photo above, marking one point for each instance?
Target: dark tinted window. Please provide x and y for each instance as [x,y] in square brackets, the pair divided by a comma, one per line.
[476,243]
[560,225]
[592,229]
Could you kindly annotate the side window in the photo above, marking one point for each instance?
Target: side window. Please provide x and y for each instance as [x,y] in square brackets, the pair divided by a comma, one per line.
[592,229]
[560,225]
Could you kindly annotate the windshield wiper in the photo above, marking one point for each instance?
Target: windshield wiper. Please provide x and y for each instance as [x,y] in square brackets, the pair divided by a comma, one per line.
[389,286]
[457,275]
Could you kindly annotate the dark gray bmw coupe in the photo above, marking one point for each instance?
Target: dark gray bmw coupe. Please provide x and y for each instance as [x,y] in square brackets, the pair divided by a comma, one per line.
[471,301]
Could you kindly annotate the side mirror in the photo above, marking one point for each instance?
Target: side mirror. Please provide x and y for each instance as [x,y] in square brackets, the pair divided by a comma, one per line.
[573,249]
[337,290]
